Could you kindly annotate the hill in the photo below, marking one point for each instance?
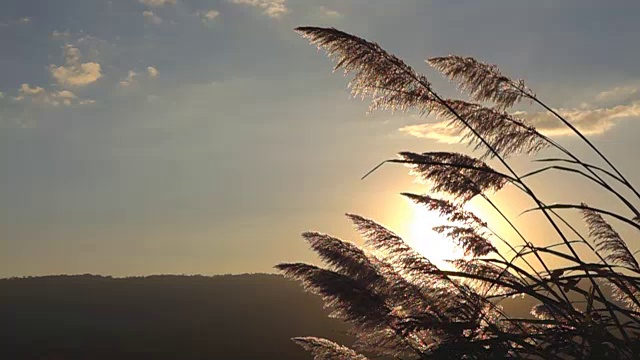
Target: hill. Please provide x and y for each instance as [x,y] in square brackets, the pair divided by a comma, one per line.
[159,317]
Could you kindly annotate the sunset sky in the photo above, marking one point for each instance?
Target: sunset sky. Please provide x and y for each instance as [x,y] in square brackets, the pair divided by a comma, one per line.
[190,136]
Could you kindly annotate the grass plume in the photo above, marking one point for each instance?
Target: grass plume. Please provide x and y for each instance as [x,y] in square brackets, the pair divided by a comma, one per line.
[402,305]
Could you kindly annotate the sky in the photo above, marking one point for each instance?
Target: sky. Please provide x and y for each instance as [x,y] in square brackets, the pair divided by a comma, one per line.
[202,137]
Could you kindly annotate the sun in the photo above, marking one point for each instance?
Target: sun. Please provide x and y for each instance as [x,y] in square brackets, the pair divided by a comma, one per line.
[419,234]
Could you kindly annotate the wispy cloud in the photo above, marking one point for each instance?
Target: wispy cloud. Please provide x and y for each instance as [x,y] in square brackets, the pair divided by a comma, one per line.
[56,34]
[152,72]
[207,15]
[589,121]
[75,72]
[594,117]
[439,131]
[38,95]
[20,21]
[328,12]
[132,77]
[129,80]
[623,94]
[25,89]
[157,3]
[151,17]
[272,8]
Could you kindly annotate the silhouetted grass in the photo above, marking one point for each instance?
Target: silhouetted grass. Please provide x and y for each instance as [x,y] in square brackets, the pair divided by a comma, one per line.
[403,306]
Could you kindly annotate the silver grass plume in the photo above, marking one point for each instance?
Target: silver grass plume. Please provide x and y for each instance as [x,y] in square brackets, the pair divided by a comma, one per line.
[544,312]
[506,134]
[625,291]
[459,175]
[388,80]
[484,82]
[393,246]
[414,265]
[385,342]
[608,240]
[456,300]
[448,210]
[402,306]
[345,257]
[485,277]
[471,242]
[379,277]
[350,299]
[323,349]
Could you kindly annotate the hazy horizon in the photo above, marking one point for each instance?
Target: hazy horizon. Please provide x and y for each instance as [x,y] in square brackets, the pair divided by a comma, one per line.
[202,137]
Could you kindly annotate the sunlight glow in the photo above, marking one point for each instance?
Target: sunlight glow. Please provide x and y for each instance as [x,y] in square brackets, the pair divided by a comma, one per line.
[434,246]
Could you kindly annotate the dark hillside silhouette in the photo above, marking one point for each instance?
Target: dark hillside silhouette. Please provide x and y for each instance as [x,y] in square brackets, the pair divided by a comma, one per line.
[159,317]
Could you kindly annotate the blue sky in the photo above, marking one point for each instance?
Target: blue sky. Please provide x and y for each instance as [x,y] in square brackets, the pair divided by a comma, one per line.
[190,136]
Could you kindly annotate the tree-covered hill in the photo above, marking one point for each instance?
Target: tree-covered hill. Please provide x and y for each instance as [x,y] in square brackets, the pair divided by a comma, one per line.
[159,317]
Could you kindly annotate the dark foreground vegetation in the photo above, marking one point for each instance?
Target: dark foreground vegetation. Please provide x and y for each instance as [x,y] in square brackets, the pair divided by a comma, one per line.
[159,317]
[584,283]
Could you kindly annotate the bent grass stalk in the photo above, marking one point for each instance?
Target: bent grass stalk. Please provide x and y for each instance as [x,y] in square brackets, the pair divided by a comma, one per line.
[403,306]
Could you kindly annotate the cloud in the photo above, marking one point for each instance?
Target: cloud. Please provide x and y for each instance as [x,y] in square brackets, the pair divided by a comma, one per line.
[93,49]
[618,95]
[132,76]
[21,21]
[152,72]
[272,8]
[157,3]
[38,95]
[129,80]
[439,131]
[60,34]
[151,17]
[327,12]
[25,89]
[74,72]
[207,16]
[592,118]
[589,121]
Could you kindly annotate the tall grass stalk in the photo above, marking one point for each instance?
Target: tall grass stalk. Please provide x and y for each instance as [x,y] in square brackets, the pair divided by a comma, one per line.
[403,306]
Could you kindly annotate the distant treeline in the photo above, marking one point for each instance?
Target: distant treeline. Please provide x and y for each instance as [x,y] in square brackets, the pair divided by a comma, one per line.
[159,317]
